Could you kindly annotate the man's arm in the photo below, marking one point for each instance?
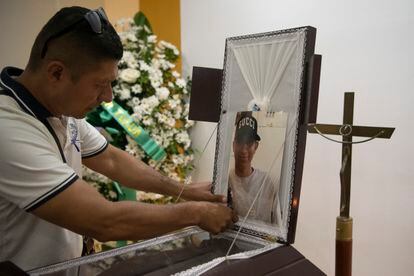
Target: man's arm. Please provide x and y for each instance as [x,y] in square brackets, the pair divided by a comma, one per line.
[127,170]
[80,208]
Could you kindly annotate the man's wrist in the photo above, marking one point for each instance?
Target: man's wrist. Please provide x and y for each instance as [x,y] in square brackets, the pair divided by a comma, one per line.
[194,209]
[172,187]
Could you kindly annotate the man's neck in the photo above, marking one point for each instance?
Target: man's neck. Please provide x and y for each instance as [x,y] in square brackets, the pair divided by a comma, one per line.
[36,87]
[243,170]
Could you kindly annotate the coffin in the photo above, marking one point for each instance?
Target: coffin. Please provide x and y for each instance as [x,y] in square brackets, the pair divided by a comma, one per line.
[267,90]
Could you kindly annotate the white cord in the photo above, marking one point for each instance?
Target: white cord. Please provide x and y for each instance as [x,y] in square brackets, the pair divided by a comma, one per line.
[258,192]
[198,160]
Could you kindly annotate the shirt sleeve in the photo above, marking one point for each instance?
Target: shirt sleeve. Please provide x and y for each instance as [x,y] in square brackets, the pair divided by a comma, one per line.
[32,170]
[92,141]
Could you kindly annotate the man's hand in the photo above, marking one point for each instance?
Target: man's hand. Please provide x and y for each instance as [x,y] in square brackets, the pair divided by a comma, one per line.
[215,218]
[201,191]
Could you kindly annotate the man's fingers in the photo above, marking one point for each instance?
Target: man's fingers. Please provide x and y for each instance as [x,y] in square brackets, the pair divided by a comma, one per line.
[219,198]
[217,218]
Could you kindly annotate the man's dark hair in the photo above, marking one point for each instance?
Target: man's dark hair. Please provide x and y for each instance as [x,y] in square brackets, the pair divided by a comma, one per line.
[80,48]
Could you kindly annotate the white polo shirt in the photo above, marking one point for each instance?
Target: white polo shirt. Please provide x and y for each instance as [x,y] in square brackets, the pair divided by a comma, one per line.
[40,156]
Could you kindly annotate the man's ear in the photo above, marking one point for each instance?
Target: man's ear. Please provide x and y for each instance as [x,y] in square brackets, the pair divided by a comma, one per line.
[56,71]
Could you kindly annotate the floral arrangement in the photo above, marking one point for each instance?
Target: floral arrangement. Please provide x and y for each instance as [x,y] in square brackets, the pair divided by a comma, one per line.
[156,97]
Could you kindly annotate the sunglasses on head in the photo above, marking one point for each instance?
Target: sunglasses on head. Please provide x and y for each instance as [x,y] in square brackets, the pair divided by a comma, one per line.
[93,17]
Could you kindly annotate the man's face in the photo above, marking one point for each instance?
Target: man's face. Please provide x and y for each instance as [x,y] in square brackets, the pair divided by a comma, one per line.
[89,90]
[244,152]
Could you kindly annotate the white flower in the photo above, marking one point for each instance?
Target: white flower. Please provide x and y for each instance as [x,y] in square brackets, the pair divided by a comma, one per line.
[129,59]
[155,83]
[189,124]
[155,75]
[175,74]
[131,148]
[161,118]
[135,101]
[173,103]
[138,110]
[180,83]
[177,159]
[124,94]
[166,143]
[171,122]
[143,66]
[154,164]
[183,139]
[188,180]
[94,176]
[148,121]
[178,111]
[112,194]
[174,176]
[136,117]
[131,37]
[153,101]
[186,109]
[188,159]
[157,139]
[164,64]
[147,105]
[162,93]
[116,89]
[152,38]
[164,44]
[136,89]
[129,75]
[143,196]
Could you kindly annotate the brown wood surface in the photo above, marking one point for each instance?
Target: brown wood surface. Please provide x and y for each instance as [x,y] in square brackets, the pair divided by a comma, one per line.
[343,258]
[284,260]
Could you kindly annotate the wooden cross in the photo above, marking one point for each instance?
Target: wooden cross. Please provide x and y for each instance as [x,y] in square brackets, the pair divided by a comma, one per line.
[347,131]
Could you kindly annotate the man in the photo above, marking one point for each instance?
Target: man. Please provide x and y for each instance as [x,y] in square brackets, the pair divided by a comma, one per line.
[45,206]
[246,182]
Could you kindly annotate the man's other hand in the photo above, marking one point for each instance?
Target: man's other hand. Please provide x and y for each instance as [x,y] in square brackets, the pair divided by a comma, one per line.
[215,218]
[201,191]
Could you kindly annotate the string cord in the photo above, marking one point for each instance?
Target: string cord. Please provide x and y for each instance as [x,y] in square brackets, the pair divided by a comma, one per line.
[346,134]
[182,190]
[196,163]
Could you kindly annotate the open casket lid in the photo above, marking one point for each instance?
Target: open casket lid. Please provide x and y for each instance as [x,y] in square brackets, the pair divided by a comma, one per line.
[267,76]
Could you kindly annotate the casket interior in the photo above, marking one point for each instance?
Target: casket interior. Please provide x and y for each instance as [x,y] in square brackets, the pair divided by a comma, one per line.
[273,62]
[265,78]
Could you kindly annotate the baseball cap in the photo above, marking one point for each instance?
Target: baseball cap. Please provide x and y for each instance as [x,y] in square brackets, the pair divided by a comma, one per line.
[246,129]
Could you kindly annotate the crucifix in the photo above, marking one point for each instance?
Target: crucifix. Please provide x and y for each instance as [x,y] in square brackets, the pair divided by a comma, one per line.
[343,249]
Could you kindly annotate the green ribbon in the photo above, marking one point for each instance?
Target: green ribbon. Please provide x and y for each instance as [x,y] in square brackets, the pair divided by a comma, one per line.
[143,139]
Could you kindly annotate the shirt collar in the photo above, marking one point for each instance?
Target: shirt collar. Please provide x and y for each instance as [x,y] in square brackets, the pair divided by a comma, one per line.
[20,93]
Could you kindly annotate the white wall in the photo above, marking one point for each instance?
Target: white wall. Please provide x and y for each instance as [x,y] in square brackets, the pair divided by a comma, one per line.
[21,21]
[367,47]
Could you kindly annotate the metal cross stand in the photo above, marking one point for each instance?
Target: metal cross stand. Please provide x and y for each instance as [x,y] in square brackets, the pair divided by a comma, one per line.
[343,255]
